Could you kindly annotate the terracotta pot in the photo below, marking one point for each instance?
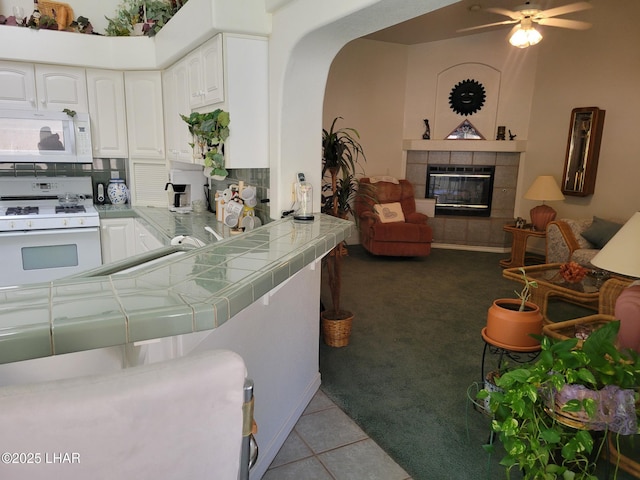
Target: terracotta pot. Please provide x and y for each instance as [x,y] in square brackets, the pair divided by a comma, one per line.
[508,327]
[336,329]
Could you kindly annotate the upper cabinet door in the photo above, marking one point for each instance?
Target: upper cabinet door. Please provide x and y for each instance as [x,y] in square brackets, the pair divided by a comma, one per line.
[206,74]
[145,126]
[212,71]
[17,86]
[61,87]
[176,102]
[105,90]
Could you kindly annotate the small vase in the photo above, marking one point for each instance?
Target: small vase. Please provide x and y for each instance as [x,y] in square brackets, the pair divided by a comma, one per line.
[118,192]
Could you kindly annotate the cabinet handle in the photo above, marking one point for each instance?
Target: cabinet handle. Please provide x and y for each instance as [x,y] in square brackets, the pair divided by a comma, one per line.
[43,102]
[32,101]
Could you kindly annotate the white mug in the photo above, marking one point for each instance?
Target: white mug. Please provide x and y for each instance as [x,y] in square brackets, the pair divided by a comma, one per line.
[227,195]
[231,220]
[234,208]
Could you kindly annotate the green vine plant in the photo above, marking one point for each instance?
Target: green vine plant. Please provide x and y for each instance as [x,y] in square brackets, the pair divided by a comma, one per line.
[210,130]
[525,294]
[530,421]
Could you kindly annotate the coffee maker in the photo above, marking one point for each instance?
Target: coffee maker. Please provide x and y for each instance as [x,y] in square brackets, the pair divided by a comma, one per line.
[187,186]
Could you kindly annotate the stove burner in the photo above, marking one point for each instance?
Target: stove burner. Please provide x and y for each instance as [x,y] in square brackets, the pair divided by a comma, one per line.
[21,211]
[70,209]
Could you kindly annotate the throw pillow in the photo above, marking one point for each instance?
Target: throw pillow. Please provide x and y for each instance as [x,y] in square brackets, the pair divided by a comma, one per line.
[384,178]
[389,212]
[601,231]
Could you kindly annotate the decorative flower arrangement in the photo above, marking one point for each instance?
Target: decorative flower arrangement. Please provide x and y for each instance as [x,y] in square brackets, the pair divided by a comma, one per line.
[572,272]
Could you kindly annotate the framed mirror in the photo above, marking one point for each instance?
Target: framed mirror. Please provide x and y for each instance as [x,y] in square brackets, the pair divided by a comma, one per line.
[583,149]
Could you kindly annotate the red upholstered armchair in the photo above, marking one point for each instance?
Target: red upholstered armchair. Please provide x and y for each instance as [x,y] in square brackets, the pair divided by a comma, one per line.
[392,234]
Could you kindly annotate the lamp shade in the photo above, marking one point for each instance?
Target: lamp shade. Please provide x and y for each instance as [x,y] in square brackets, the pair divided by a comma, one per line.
[621,254]
[544,188]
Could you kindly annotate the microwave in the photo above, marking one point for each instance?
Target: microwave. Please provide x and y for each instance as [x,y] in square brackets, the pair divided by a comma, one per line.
[44,137]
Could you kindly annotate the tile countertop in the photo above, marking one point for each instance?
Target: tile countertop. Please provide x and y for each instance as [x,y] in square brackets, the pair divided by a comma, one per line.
[198,290]
[169,224]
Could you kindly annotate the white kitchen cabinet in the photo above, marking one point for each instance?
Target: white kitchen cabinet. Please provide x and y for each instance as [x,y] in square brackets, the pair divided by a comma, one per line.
[18,86]
[176,102]
[143,94]
[205,69]
[105,89]
[26,86]
[61,87]
[246,100]
[117,236]
[145,238]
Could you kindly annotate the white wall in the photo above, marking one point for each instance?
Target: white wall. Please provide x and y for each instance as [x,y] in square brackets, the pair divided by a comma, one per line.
[307,35]
[366,89]
[598,67]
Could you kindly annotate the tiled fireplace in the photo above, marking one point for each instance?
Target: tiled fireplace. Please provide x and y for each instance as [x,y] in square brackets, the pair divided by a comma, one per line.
[485,233]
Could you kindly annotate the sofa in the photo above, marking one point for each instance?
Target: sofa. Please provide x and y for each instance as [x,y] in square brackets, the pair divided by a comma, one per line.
[578,240]
[388,221]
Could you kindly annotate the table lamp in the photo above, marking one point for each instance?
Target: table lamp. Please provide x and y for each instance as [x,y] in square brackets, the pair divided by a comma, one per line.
[544,188]
[621,255]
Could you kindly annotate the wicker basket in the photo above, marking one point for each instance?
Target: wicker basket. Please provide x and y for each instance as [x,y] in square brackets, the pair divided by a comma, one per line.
[567,329]
[336,333]
[62,12]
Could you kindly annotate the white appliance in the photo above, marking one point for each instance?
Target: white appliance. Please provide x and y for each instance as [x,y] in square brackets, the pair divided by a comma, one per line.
[187,186]
[44,137]
[42,240]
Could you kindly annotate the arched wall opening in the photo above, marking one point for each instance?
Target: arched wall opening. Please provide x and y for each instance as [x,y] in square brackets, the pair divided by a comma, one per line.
[306,37]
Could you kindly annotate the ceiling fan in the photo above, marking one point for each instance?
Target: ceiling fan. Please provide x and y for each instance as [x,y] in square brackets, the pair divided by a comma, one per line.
[525,16]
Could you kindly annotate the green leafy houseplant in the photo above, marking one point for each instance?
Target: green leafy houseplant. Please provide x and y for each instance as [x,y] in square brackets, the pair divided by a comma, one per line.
[534,426]
[341,153]
[152,14]
[210,130]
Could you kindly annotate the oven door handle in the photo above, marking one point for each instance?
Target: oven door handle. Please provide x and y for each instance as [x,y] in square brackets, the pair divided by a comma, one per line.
[54,231]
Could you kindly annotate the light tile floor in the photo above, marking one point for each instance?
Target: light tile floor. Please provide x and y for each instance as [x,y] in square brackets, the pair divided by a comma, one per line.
[326,444]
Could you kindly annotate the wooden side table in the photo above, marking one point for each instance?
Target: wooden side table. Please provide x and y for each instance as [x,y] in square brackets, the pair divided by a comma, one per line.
[519,244]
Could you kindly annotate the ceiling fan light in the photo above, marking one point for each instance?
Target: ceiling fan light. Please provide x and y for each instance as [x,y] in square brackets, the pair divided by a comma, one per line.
[525,37]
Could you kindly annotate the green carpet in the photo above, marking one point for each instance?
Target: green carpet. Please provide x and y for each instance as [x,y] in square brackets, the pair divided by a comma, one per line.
[415,349]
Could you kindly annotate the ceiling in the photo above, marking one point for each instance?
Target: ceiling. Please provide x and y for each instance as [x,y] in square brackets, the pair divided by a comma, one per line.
[442,24]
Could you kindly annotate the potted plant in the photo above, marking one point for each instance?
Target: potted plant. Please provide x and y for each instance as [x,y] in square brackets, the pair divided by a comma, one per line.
[512,322]
[341,152]
[549,414]
[142,17]
[210,130]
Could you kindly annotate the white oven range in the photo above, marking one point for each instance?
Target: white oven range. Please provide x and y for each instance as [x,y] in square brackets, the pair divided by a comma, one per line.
[42,237]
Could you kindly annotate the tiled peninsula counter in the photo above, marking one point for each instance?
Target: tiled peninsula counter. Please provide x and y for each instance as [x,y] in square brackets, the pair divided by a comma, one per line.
[256,293]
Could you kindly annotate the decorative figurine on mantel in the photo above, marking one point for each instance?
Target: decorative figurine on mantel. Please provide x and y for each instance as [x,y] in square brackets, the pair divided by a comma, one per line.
[501,133]
[512,136]
[427,133]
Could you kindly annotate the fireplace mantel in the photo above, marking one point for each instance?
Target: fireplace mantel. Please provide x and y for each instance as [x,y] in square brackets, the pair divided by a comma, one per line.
[465,145]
